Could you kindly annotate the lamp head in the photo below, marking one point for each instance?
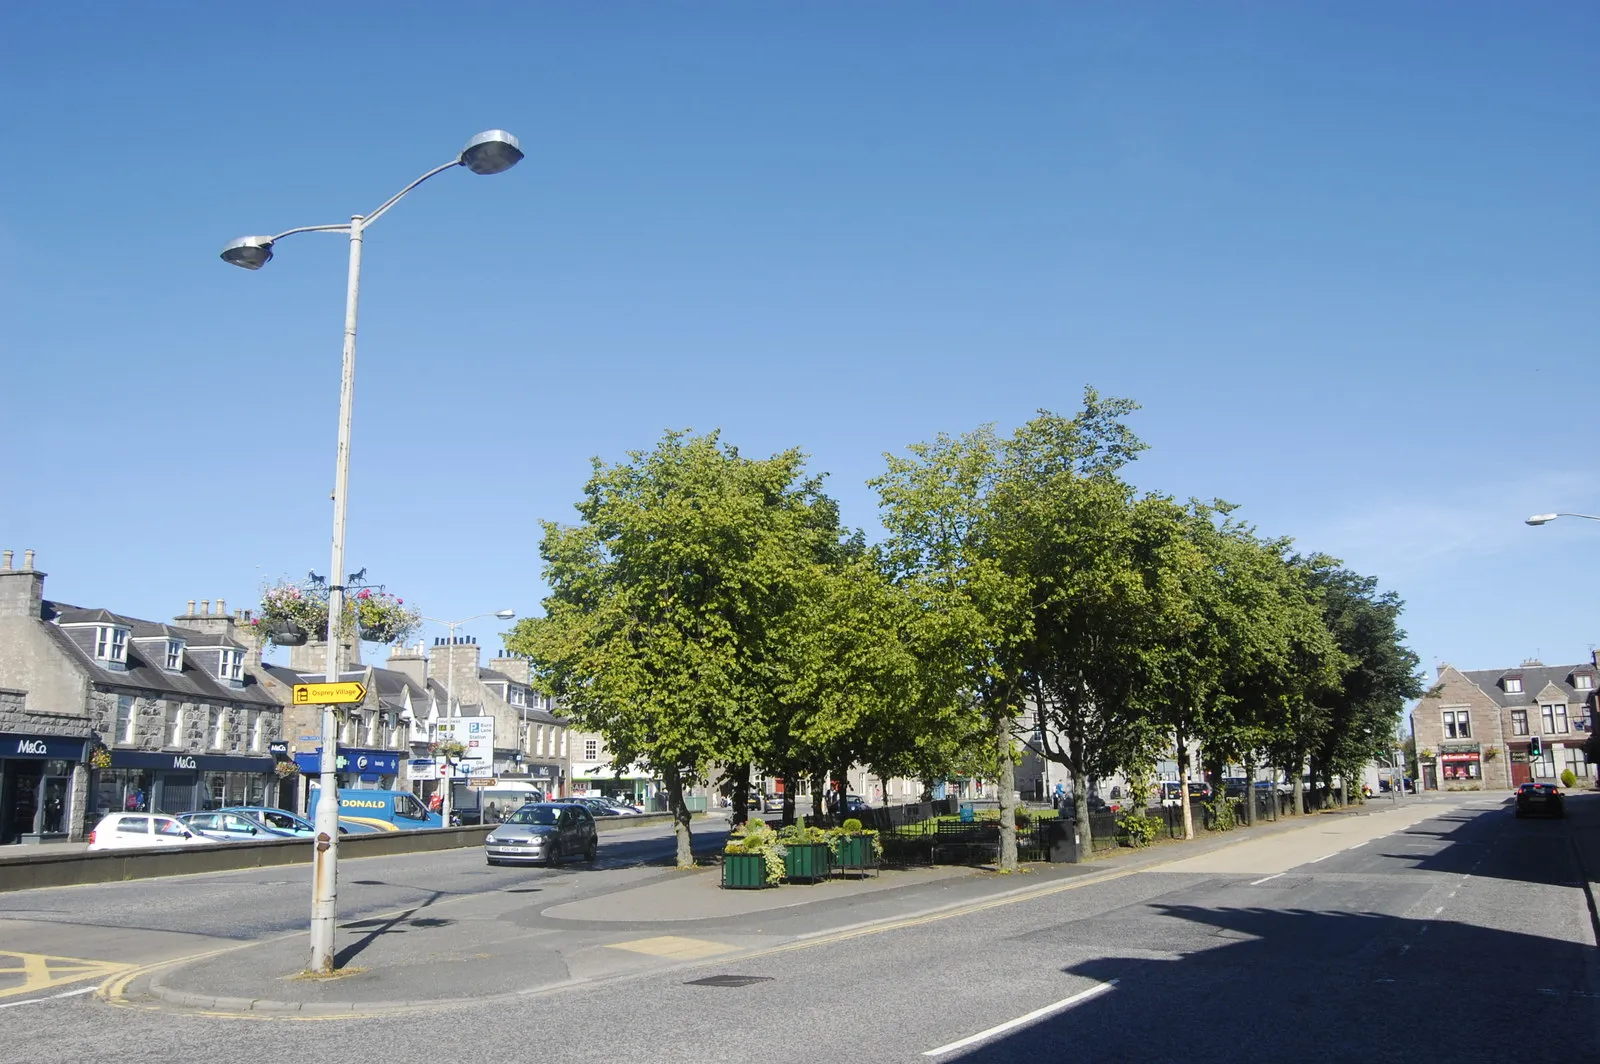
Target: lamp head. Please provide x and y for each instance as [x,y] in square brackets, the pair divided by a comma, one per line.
[250,252]
[493,151]
[1542,519]
[506,615]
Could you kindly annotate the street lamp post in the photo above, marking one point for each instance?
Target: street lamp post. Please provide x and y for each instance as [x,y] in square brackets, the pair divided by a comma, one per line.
[1545,519]
[491,152]
[450,688]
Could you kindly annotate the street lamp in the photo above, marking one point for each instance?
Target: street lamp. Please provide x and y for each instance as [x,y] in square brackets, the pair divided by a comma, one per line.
[1545,519]
[491,152]
[450,673]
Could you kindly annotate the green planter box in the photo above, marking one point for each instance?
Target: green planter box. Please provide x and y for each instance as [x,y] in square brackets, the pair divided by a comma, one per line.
[854,853]
[744,871]
[806,860]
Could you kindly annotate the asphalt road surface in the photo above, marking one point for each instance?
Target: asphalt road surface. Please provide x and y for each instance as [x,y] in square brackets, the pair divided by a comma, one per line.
[1464,936]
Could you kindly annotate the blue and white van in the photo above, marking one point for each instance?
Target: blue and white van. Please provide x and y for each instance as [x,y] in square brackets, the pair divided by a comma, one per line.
[365,811]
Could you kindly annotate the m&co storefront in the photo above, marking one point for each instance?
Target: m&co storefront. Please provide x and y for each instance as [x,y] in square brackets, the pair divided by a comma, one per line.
[36,786]
[179,783]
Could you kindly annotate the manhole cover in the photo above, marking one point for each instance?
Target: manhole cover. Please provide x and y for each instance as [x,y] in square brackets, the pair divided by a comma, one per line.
[729,980]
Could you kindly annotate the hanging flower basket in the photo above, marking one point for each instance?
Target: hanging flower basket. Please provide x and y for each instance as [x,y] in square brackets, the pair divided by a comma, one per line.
[285,769]
[99,757]
[383,618]
[288,635]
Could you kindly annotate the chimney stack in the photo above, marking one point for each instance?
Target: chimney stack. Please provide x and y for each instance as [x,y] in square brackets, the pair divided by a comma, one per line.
[21,590]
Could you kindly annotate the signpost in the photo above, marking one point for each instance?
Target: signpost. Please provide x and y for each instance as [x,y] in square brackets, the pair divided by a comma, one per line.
[348,692]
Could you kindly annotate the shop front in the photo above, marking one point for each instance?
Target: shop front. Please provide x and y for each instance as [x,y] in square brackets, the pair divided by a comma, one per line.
[36,786]
[179,783]
[1461,763]
[357,769]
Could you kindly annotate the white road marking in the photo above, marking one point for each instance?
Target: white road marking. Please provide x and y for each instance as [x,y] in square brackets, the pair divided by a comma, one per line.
[51,997]
[1064,1003]
[1263,879]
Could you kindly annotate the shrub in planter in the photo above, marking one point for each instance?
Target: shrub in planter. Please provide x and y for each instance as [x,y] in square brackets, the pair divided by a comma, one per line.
[1569,779]
[805,851]
[855,847]
[747,843]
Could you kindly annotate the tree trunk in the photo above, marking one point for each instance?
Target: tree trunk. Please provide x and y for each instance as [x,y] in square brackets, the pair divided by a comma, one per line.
[741,795]
[1250,791]
[1297,788]
[680,815]
[1183,787]
[1008,798]
[819,795]
[1080,813]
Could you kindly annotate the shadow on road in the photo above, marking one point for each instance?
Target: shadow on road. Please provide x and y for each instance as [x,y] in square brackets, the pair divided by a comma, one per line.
[1322,986]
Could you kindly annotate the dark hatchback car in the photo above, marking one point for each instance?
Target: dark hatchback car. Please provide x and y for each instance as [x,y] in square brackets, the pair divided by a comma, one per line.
[1540,799]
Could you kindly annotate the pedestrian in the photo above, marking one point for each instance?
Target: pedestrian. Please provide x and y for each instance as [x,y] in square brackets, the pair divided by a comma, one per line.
[494,812]
[436,803]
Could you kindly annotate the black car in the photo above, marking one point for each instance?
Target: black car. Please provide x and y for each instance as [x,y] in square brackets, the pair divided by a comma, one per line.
[1540,799]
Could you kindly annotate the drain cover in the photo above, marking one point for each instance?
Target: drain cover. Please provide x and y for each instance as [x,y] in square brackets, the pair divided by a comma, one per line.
[729,980]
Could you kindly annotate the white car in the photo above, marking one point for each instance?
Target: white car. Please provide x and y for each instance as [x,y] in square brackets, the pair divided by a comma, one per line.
[143,831]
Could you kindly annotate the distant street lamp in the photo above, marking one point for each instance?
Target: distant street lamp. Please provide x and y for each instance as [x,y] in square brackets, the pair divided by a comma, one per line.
[1545,519]
[491,152]
[450,685]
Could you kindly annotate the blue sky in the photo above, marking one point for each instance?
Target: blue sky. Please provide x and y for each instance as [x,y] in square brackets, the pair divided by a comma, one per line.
[1343,254]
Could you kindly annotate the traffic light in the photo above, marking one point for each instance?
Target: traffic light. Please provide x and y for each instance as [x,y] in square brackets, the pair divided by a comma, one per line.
[1536,748]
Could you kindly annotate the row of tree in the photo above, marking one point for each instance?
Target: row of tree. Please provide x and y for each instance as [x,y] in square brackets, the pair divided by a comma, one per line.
[710,613]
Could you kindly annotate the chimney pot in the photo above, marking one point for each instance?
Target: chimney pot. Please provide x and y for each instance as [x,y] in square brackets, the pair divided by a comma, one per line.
[205,607]
[222,610]
[191,608]
[27,561]
[7,564]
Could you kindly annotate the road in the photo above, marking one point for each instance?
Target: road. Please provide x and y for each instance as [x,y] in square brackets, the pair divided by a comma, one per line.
[1464,935]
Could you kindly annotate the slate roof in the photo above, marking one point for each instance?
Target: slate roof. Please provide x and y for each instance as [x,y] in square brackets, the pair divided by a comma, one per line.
[1535,678]
[196,684]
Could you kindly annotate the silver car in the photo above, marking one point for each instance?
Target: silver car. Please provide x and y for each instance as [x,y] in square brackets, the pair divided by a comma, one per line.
[543,832]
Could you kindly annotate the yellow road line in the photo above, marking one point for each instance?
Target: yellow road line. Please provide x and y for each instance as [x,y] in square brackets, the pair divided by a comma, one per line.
[40,971]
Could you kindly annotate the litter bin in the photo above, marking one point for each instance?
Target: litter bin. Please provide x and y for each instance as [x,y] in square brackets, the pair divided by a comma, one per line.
[968,814]
[1061,835]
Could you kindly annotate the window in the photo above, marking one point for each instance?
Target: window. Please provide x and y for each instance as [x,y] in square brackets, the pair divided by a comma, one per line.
[175,723]
[372,731]
[252,724]
[174,655]
[111,644]
[1513,685]
[1555,718]
[1577,762]
[519,696]
[219,735]
[230,665]
[591,750]
[354,720]
[1545,767]
[1519,722]
[1583,681]
[1457,724]
[124,732]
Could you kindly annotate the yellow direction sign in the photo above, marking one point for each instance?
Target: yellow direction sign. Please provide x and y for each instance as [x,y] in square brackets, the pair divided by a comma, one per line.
[329,694]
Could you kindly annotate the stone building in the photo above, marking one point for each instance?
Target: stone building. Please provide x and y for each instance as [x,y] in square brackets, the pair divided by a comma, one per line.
[1475,729]
[102,711]
[530,738]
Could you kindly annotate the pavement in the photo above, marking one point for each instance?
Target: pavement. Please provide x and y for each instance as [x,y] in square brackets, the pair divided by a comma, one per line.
[571,926]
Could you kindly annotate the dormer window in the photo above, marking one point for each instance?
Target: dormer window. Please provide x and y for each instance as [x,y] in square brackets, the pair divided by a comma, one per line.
[174,655]
[1583,681]
[230,665]
[111,644]
[1513,685]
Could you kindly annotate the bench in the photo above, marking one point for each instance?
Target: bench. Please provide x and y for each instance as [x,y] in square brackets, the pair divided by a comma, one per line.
[980,838]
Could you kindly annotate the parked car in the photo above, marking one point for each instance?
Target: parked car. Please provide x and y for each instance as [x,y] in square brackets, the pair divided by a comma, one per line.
[620,806]
[595,806]
[230,827]
[544,833]
[854,803]
[278,819]
[1540,799]
[138,831]
[1097,804]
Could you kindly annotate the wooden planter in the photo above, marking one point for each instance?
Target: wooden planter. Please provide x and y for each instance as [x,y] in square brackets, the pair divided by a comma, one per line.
[806,860]
[744,871]
[854,853]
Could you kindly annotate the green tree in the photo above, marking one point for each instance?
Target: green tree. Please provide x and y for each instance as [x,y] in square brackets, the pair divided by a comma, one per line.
[667,600]
[1378,675]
